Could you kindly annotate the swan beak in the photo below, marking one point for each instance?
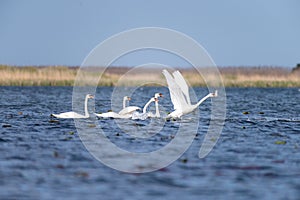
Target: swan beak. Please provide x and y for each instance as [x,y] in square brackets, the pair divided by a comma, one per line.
[91,96]
[161,95]
[128,98]
[215,93]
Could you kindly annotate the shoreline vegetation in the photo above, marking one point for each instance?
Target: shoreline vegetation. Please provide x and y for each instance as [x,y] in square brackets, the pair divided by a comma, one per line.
[263,76]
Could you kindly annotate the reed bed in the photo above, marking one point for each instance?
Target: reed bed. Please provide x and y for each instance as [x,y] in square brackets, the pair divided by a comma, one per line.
[37,76]
[123,76]
[260,77]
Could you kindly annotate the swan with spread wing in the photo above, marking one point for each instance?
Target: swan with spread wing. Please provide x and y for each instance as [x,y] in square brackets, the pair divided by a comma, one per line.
[180,97]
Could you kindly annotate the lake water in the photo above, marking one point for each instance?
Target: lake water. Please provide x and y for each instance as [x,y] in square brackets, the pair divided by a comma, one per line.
[257,155]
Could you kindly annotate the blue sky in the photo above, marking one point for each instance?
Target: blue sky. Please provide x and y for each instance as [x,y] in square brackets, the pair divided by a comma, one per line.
[234,32]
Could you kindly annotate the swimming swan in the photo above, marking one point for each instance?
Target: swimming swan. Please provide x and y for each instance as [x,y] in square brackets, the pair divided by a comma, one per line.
[128,109]
[144,115]
[125,113]
[157,114]
[73,115]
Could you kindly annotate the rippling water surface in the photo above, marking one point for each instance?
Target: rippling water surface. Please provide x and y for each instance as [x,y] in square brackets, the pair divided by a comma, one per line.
[257,155]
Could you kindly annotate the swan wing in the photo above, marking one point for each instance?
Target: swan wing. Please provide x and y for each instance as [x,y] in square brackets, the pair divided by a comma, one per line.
[69,115]
[113,115]
[172,88]
[177,96]
[183,85]
[129,110]
[106,115]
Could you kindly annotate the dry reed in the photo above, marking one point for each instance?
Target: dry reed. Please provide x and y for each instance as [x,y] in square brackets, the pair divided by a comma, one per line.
[65,76]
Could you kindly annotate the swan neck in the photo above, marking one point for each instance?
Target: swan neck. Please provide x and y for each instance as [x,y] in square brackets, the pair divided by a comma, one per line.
[157,114]
[85,107]
[203,99]
[146,106]
[124,103]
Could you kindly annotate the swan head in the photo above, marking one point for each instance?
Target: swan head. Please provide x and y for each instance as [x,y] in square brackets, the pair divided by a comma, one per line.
[215,94]
[153,99]
[156,95]
[89,96]
[126,98]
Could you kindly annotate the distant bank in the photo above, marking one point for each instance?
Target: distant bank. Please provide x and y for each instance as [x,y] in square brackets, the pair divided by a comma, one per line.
[65,76]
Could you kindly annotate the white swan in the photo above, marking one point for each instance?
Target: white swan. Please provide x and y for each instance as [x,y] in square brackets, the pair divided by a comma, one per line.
[125,113]
[73,115]
[128,109]
[179,92]
[157,114]
[144,115]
